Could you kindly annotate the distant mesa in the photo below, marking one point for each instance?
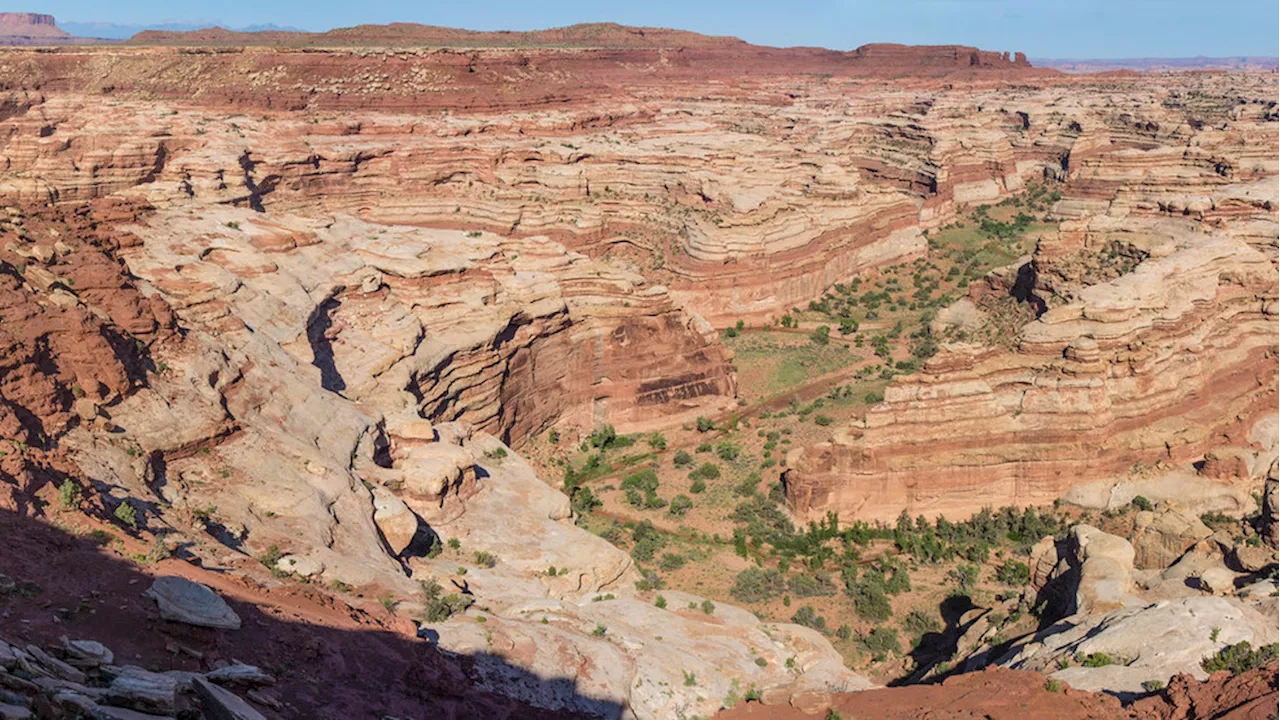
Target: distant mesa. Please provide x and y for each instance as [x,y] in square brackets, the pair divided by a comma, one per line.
[36,29]
[30,25]
[938,55]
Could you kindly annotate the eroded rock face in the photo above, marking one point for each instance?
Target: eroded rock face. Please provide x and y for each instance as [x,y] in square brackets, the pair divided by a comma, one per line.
[505,335]
[350,319]
[1151,367]
[1154,642]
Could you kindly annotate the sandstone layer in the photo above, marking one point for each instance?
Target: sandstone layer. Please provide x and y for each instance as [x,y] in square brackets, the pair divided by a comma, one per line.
[1155,367]
[294,308]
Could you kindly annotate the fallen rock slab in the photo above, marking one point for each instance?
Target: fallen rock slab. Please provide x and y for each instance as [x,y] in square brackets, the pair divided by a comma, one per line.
[184,601]
[221,704]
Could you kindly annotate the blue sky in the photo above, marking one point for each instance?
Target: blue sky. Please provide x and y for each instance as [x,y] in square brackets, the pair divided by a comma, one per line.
[1041,28]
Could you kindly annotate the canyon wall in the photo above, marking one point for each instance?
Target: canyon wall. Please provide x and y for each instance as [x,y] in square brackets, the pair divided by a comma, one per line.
[1152,368]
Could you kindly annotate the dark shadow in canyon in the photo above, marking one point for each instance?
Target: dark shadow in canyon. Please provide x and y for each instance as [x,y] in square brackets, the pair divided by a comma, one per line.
[73,585]
[322,346]
[939,646]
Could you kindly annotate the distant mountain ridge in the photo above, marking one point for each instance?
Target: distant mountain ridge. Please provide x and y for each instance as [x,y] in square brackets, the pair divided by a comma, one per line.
[119,31]
[1200,62]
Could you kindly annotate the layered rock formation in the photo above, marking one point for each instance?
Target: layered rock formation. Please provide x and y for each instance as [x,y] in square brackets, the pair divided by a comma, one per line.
[297,306]
[742,211]
[1154,366]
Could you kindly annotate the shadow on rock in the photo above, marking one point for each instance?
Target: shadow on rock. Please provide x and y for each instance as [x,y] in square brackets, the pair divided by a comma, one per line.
[330,660]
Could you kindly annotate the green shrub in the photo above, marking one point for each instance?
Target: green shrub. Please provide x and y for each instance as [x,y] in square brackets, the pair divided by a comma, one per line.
[1240,658]
[748,486]
[486,559]
[920,623]
[698,485]
[1153,686]
[436,608]
[660,602]
[870,602]
[708,607]
[1054,686]
[815,585]
[682,459]
[1013,573]
[583,501]
[657,441]
[728,451]
[126,514]
[823,420]
[644,480]
[680,505]
[1141,503]
[69,494]
[705,424]
[881,642]
[809,618]
[606,437]
[1093,660]
[600,630]
[705,471]
[755,585]
[648,541]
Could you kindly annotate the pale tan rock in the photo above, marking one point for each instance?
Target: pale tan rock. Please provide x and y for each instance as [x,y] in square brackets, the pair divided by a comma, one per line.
[1153,642]
[811,702]
[1161,537]
[397,523]
[1218,581]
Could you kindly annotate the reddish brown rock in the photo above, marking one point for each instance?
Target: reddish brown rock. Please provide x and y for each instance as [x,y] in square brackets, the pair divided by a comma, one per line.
[996,694]
[1153,366]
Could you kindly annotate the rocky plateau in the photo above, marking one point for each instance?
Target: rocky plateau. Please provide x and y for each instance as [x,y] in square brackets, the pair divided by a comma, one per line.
[283,312]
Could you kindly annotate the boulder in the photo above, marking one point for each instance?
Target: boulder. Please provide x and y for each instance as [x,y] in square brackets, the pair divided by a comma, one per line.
[1218,580]
[1251,558]
[811,702]
[54,666]
[239,674]
[1271,505]
[143,690]
[300,565]
[1152,642]
[397,523]
[1160,537]
[184,601]
[86,653]
[1105,565]
[222,704]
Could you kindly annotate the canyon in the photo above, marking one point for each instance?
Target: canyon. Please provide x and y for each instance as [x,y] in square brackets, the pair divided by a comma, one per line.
[313,318]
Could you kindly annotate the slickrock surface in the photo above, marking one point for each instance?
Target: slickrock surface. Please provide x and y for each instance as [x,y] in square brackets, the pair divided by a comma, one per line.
[508,335]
